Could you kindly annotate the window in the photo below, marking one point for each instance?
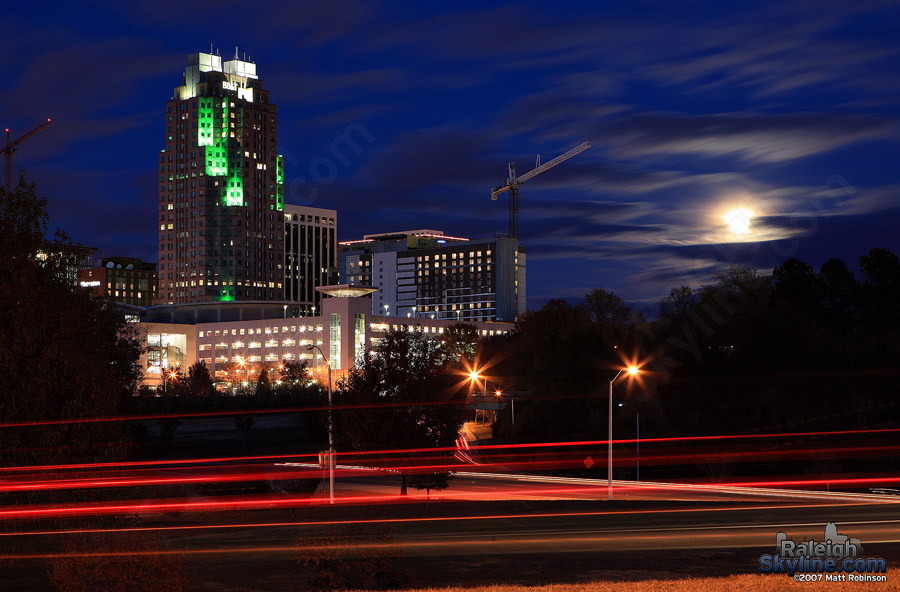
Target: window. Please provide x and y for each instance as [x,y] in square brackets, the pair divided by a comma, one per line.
[335,341]
[359,340]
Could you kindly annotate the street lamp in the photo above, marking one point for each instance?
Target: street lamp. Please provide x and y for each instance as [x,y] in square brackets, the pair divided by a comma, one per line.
[499,394]
[632,370]
[637,419]
[386,312]
[473,377]
[330,427]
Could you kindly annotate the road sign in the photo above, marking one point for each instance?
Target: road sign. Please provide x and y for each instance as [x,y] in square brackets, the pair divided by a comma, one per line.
[588,462]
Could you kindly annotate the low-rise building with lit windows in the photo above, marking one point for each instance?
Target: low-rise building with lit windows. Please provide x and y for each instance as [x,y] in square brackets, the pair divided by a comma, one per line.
[250,334]
[124,279]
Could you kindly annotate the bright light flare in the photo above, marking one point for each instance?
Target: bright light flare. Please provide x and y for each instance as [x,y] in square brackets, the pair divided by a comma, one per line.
[632,370]
[738,220]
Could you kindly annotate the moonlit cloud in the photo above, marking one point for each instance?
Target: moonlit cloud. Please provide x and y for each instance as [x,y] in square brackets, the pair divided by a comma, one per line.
[789,110]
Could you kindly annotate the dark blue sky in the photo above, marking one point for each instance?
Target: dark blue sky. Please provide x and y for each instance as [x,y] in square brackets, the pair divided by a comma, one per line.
[787,111]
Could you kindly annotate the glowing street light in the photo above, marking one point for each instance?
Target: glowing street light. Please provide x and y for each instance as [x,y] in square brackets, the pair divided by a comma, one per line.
[632,371]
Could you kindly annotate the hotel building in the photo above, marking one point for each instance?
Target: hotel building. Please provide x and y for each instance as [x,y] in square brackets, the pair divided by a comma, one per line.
[221,188]
[425,274]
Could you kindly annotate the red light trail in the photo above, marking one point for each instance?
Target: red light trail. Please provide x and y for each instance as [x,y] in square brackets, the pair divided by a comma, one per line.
[248,525]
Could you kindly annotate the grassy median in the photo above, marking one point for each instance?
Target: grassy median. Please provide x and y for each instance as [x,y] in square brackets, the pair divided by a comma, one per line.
[742,583]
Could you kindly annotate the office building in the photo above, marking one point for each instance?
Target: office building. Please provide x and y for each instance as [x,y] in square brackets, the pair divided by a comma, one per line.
[425,274]
[310,256]
[67,260]
[124,279]
[253,334]
[221,188]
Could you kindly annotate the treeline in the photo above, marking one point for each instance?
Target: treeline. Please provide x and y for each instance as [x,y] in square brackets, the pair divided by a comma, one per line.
[797,350]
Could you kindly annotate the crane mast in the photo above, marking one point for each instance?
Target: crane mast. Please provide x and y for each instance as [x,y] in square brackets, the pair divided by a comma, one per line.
[512,183]
[10,148]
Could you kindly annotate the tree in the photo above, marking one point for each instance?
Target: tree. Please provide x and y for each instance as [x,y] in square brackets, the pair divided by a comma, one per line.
[174,384]
[292,372]
[429,482]
[403,396]
[838,290]
[678,302]
[794,285]
[610,313]
[558,350]
[740,280]
[230,370]
[263,381]
[199,381]
[459,342]
[881,284]
[64,354]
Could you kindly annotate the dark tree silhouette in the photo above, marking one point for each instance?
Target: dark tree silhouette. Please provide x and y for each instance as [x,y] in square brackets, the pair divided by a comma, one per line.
[405,395]
[199,380]
[64,354]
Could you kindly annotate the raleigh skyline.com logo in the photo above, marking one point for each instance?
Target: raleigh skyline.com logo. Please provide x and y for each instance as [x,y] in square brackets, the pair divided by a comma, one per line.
[835,558]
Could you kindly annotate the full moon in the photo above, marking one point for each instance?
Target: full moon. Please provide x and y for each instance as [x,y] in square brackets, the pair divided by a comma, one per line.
[739,220]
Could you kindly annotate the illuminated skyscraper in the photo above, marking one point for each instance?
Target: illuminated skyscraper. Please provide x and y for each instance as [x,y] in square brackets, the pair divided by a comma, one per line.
[221,188]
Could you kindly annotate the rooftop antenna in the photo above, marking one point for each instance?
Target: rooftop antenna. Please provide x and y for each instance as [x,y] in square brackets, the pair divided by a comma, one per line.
[210,49]
[236,53]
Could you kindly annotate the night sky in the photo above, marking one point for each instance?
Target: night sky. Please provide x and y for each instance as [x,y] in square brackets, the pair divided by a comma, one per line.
[787,112]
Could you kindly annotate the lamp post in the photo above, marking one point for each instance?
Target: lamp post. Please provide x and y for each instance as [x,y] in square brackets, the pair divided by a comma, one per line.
[330,427]
[499,394]
[632,370]
[386,310]
[474,376]
[637,439]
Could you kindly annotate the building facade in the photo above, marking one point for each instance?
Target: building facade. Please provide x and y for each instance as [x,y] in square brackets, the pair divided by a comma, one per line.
[310,256]
[240,337]
[425,274]
[221,188]
[124,279]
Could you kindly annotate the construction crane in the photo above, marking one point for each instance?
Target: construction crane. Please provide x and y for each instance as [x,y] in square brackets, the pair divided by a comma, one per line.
[513,182]
[11,148]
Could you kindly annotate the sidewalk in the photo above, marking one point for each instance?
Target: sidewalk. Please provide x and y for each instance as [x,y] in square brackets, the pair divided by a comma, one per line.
[476,434]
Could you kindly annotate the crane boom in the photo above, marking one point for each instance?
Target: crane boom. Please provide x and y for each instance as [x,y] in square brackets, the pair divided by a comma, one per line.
[512,184]
[552,163]
[10,148]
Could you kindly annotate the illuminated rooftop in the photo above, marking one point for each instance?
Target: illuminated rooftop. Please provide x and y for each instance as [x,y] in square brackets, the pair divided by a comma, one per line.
[346,291]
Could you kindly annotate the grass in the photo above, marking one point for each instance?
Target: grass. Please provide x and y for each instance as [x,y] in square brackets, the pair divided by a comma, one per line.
[741,583]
